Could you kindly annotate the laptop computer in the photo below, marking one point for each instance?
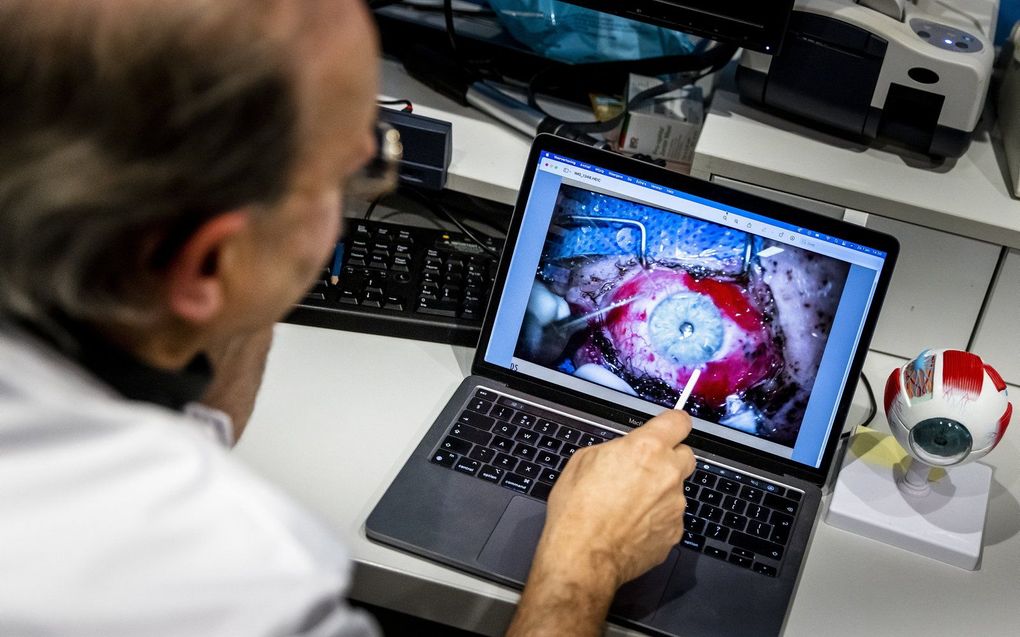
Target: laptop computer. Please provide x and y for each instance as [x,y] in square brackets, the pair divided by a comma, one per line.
[625,289]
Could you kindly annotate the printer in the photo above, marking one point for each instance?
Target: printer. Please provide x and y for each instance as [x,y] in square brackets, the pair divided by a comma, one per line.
[912,71]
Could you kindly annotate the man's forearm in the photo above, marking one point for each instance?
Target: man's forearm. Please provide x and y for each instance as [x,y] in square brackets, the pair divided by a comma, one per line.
[564,597]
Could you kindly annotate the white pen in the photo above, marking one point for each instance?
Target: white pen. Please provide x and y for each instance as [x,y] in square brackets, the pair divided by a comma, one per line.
[688,388]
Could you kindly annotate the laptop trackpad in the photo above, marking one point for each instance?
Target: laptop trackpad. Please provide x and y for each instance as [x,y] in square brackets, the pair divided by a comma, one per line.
[511,547]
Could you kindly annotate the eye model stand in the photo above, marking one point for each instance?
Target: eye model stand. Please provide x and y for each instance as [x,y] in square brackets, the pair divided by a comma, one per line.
[887,495]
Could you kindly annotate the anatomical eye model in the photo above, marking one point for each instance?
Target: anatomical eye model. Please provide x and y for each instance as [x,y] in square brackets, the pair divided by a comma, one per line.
[646,302]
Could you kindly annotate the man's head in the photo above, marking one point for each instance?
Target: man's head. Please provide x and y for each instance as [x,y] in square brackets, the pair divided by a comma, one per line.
[176,164]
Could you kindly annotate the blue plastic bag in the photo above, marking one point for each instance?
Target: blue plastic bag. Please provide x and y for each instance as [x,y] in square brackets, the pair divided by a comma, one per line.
[569,33]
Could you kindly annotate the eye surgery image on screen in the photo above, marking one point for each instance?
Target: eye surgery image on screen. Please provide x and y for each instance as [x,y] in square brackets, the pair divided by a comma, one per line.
[652,303]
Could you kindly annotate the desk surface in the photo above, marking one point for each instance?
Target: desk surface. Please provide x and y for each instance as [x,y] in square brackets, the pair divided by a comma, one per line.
[967,196]
[340,412]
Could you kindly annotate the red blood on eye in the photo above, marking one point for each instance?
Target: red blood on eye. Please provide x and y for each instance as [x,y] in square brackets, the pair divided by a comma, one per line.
[746,357]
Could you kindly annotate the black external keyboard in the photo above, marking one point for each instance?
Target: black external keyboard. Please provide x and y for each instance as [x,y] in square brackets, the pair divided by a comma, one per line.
[731,516]
[399,280]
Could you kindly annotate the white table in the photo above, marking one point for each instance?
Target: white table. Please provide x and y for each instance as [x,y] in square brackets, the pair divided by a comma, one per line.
[340,412]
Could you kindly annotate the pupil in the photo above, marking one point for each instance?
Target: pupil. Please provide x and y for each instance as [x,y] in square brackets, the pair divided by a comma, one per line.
[686,330]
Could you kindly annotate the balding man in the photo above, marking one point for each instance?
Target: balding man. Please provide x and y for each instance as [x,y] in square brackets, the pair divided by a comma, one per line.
[171,176]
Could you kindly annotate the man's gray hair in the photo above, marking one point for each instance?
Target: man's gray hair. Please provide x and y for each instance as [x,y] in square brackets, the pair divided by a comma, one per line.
[123,126]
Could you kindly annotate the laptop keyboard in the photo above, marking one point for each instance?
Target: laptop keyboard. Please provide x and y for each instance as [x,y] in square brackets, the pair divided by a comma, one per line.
[731,516]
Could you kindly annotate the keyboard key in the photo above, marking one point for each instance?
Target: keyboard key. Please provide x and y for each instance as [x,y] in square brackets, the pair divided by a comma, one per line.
[693,524]
[780,535]
[522,419]
[476,420]
[715,514]
[764,569]
[588,440]
[567,434]
[482,454]
[528,470]
[742,562]
[549,444]
[545,427]
[794,495]
[693,541]
[471,434]
[502,444]
[710,496]
[504,429]
[742,553]
[734,521]
[759,512]
[517,483]
[756,545]
[717,532]
[717,553]
[501,412]
[479,405]
[504,461]
[490,473]
[704,479]
[524,451]
[780,504]
[548,458]
[444,458]
[728,487]
[541,490]
[456,445]
[526,436]
[751,494]
[549,476]
[760,529]
[734,505]
[568,450]
[486,394]
[691,490]
[468,466]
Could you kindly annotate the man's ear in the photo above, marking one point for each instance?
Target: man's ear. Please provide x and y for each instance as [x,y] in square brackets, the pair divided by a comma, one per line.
[196,275]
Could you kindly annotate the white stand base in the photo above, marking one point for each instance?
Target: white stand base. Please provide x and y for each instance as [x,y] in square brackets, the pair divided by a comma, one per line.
[946,524]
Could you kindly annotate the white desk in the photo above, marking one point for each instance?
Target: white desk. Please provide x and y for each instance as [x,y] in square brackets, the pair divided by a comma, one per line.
[340,412]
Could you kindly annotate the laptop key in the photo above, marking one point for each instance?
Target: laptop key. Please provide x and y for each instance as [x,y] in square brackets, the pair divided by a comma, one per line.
[742,562]
[522,419]
[548,458]
[567,451]
[527,436]
[444,458]
[734,505]
[764,569]
[486,394]
[504,429]
[490,473]
[502,444]
[501,412]
[693,541]
[780,504]
[471,434]
[715,514]
[566,434]
[691,490]
[548,443]
[528,469]
[503,461]
[467,465]
[729,487]
[758,512]
[751,494]
[734,521]
[479,405]
[482,454]
[549,476]
[517,483]
[716,552]
[476,420]
[541,490]
[546,427]
[693,524]
[756,545]
[704,479]
[524,451]
[456,445]
[710,496]
[760,529]
[780,535]
[717,532]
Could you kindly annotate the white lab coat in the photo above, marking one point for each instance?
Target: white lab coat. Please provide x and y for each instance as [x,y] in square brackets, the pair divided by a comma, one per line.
[124,518]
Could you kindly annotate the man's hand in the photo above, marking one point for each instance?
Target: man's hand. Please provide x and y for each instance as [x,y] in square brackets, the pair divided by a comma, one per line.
[616,511]
[238,364]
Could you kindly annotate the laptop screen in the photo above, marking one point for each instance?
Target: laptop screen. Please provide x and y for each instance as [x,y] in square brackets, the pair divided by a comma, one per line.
[651,298]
